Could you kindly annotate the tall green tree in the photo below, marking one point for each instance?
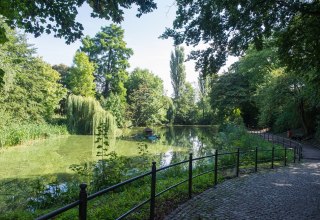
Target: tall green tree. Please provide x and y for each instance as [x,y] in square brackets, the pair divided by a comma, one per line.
[228,95]
[177,71]
[108,51]
[228,27]
[147,104]
[110,55]
[185,108]
[206,114]
[81,79]
[184,94]
[31,91]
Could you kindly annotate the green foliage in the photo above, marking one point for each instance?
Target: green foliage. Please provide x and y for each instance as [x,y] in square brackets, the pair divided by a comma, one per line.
[184,94]
[31,90]
[110,168]
[185,108]
[59,17]
[30,94]
[205,114]
[20,214]
[116,106]
[177,71]
[217,24]
[147,104]
[108,51]
[228,93]
[237,88]
[81,76]
[64,72]
[266,93]
[15,133]
[85,114]
[299,45]
[170,110]
[284,102]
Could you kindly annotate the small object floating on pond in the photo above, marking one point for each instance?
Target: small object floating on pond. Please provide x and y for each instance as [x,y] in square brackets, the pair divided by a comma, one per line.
[153,137]
[149,134]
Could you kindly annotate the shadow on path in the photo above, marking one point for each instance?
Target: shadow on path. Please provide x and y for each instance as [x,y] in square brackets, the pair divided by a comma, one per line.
[286,193]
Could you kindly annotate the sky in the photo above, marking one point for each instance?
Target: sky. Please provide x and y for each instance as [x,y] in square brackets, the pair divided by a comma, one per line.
[141,35]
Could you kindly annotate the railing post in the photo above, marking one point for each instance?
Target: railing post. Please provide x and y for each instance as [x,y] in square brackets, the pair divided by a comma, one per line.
[256,161]
[238,162]
[153,190]
[300,152]
[272,158]
[294,153]
[190,176]
[285,156]
[83,202]
[216,168]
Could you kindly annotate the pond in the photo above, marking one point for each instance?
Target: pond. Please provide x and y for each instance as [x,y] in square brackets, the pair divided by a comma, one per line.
[31,172]
[54,156]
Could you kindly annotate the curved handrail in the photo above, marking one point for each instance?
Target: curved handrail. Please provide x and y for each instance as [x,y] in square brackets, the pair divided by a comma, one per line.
[101,192]
[59,211]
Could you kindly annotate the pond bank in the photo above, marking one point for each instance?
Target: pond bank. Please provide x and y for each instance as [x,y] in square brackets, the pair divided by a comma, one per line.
[17,134]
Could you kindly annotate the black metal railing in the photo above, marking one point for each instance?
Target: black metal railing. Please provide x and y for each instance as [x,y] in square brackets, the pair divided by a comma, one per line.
[287,144]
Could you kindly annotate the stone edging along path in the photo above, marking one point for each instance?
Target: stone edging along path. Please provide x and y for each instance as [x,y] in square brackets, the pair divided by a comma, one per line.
[291,192]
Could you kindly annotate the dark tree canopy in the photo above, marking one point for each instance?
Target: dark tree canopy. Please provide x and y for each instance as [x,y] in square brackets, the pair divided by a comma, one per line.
[228,27]
[59,16]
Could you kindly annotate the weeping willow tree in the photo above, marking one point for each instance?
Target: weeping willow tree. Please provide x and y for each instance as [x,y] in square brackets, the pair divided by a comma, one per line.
[85,114]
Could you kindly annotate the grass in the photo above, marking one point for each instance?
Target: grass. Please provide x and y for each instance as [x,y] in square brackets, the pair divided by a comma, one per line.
[15,134]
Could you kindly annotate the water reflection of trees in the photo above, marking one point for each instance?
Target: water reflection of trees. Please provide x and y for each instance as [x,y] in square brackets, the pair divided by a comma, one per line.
[198,140]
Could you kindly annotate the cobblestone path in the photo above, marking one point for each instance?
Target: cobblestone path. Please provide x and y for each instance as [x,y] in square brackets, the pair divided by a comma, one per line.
[285,193]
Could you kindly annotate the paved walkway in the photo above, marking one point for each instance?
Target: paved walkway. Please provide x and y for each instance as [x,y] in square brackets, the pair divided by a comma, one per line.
[291,192]
[285,193]
[309,152]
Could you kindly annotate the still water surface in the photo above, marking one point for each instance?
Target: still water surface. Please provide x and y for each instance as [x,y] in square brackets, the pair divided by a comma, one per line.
[54,156]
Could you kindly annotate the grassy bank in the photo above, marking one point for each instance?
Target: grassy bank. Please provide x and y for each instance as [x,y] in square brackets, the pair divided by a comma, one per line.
[18,133]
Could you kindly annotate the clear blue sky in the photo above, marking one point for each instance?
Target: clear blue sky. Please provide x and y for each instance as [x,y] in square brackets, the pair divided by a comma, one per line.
[141,34]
